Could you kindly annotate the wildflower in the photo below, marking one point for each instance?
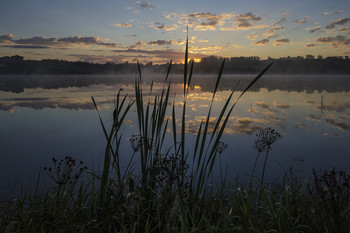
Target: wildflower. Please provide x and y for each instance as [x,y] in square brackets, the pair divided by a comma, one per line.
[65,170]
[222,147]
[268,136]
[259,145]
[136,142]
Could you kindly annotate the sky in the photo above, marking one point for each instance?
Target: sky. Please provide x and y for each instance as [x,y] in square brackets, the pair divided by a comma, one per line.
[155,31]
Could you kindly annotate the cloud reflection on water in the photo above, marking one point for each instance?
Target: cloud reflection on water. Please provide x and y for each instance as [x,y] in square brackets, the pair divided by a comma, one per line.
[43,114]
[268,104]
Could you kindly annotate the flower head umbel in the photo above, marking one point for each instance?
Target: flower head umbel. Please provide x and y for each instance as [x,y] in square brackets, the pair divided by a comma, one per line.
[222,147]
[267,137]
[136,142]
[65,171]
[259,145]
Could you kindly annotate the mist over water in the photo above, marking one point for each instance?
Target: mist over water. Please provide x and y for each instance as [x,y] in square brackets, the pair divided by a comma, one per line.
[53,116]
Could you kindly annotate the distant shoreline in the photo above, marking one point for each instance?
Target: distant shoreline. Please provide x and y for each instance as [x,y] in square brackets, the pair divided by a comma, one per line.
[209,65]
[17,83]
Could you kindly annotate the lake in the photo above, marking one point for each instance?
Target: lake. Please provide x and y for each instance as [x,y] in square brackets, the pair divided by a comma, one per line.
[53,116]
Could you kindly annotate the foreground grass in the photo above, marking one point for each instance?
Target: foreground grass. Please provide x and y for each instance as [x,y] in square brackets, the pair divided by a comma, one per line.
[168,195]
[285,207]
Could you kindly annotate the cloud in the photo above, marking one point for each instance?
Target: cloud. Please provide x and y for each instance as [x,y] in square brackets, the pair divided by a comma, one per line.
[325,13]
[37,40]
[26,46]
[262,42]
[340,21]
[124,25]
[247,20]
[314,29]
[277,104]
[159,56]
[281,41]
[248,125]
[161,42]
[335,106]
[335,41]
[205,21]
[299,21]
[53,103]
[339,125]
[302,126]
[225,21]
[311,45]
[314,118]
[4,39]
[253,37]
[273,29]
[141,44]
[282,20]
[262,105]
[163,26]
[101,58]
[171,51]
[268,33]
[344,29]
[85,41]
[145,4]
[55,42]
[211,19]
[207,49]
[271,116]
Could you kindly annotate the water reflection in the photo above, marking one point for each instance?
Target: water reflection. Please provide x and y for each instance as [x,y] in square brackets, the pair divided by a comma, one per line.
[54,116]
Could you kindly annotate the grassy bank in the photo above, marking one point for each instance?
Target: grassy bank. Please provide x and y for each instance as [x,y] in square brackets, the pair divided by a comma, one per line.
[166,194]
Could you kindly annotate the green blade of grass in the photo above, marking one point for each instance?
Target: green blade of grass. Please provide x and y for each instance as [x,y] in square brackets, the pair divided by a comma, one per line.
[189,78]
[139,69]
[254,81]
[167,74]
[173,119]
[218,78]
[197,141]
[222,113]
[185,66]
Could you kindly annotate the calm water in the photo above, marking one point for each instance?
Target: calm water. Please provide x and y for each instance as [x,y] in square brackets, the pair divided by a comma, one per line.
[53,116]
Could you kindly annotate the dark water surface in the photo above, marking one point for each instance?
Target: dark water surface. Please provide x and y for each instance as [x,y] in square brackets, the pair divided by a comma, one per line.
[53,116]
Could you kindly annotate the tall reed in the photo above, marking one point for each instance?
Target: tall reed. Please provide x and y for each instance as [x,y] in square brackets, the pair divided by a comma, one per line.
[160,192]
[153,121]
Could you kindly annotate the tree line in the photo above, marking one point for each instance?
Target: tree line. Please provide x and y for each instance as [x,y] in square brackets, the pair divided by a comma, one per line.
[211,64]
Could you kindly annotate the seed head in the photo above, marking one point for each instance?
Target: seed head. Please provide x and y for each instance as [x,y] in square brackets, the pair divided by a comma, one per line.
[268,136]
[222,147]
[135,142]
[259,145]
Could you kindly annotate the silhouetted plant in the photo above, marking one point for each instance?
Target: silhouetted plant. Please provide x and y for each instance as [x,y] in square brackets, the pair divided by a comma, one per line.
[64,172]
[171,176]
[266,137]
[330,195]
[164,195]
[135,142]
[259,146]
[221,149]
